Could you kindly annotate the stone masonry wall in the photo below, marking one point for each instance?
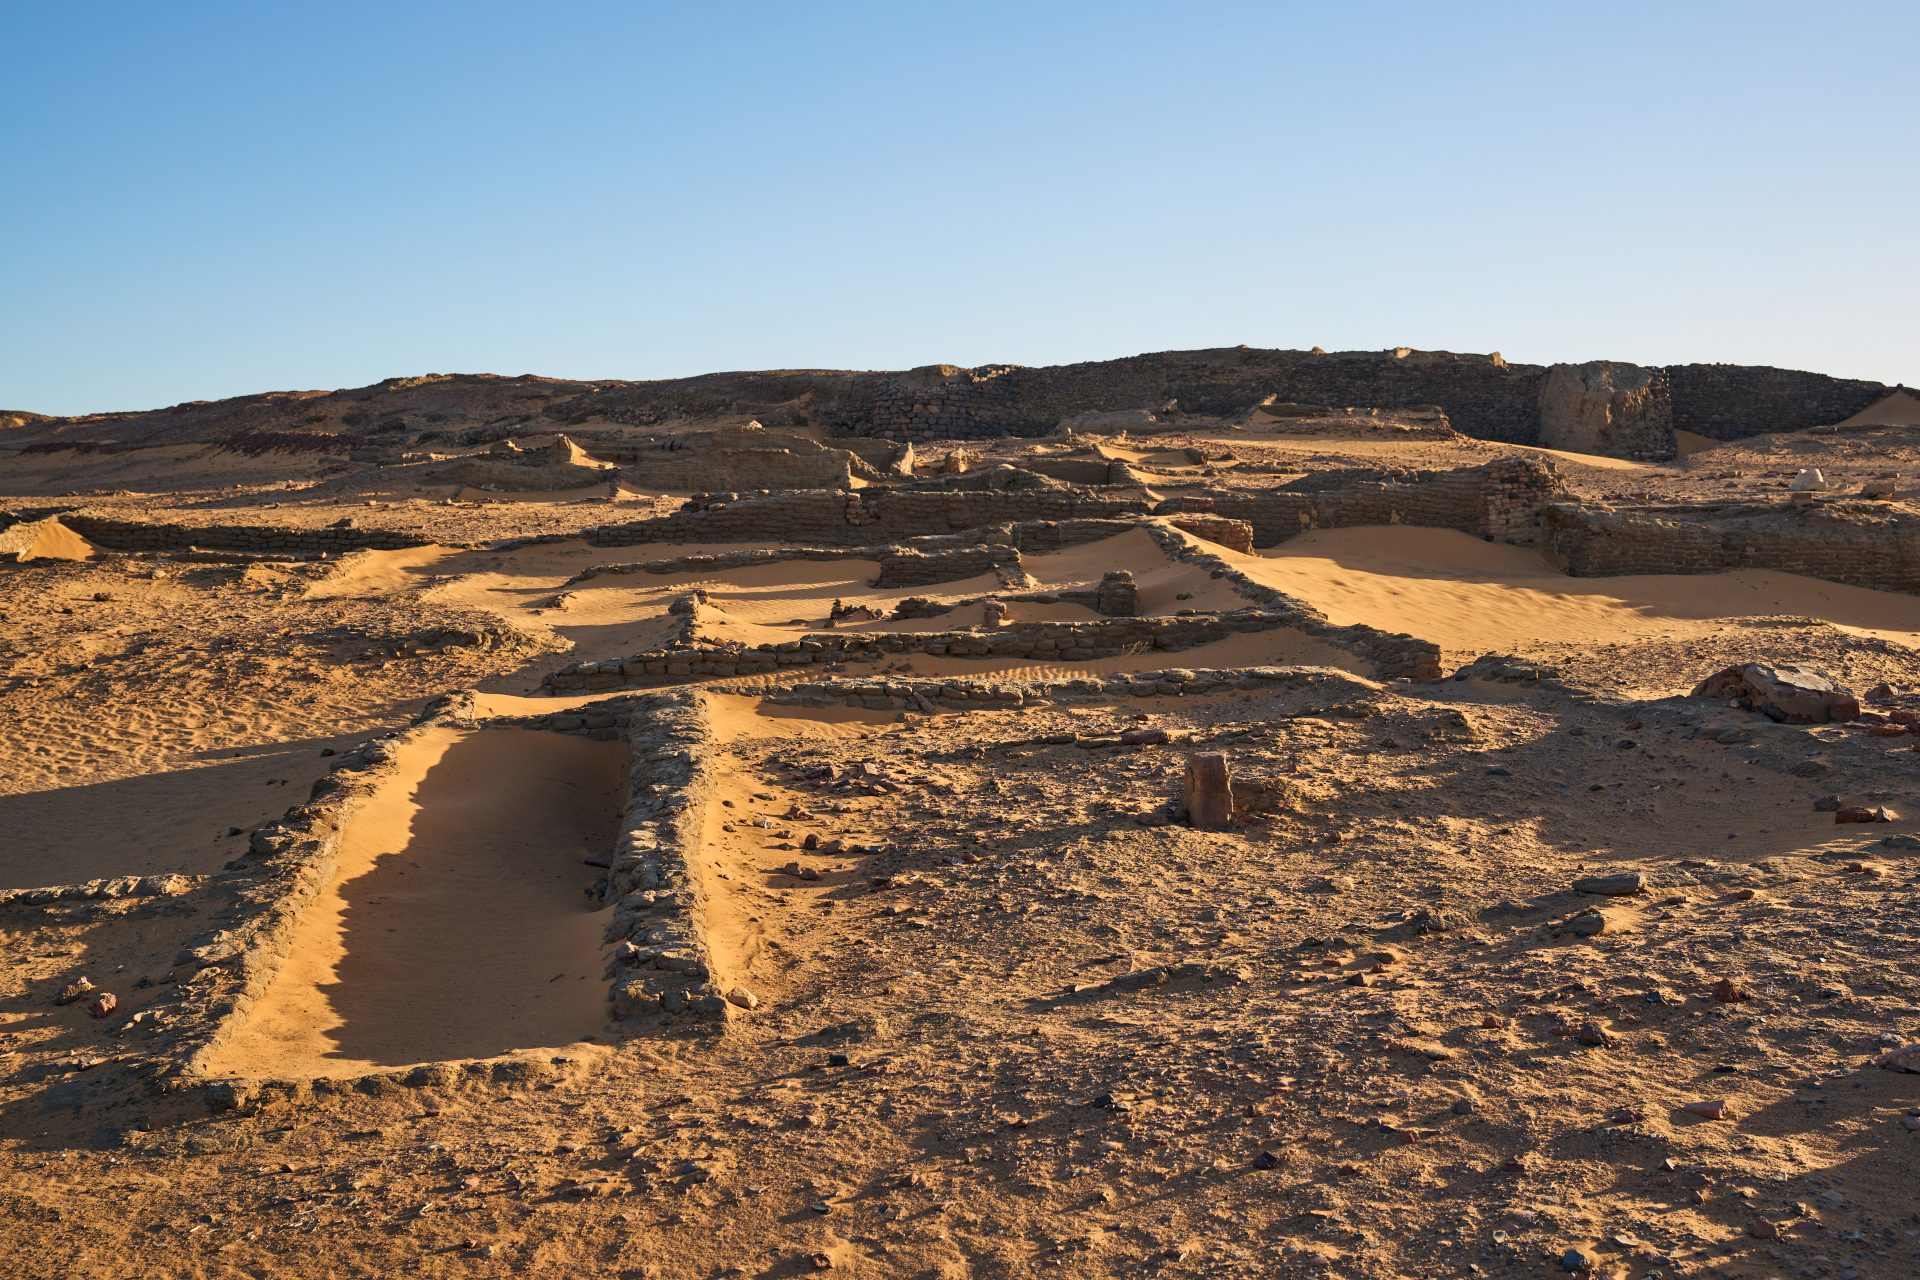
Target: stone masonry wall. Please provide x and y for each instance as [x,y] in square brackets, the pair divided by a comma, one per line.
[1044,641]
[1731,401]
[1498,500]
[1852,543]
[825,517]
[134,535]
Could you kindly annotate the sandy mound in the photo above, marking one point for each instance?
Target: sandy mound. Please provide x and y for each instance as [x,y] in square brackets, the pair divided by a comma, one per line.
[1901,409]
[455,926]
[43,540]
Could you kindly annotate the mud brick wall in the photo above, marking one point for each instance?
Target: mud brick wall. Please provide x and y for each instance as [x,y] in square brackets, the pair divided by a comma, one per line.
[904,567]
[134,535]
[709,471]
[1499,500]
[1851,544]
[1730,401]
[1235,535]
[947,556]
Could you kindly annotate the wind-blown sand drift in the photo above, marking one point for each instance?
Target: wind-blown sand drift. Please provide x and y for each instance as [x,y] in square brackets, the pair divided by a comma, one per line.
[455,926]
[1470,597]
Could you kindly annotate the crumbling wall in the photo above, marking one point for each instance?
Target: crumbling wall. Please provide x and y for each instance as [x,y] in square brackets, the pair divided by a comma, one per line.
[1497,500]
[865,517]
[135,535]
[1732,401]
[1041,641]
[1862,546]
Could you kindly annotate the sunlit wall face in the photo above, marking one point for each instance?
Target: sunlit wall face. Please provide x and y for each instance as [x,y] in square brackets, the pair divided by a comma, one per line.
[216,199]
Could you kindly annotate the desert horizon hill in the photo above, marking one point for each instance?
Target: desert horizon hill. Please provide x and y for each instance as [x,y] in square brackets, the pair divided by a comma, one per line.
[1484,395]
[1215,813]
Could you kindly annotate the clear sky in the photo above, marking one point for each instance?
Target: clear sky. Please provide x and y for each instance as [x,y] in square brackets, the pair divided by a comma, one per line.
[208,199]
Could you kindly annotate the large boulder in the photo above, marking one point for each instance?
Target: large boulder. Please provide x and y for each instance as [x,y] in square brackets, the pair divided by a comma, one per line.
[1609,408]
[1785,692]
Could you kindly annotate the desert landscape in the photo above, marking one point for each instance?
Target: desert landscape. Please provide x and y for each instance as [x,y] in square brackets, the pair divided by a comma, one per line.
[1213,813]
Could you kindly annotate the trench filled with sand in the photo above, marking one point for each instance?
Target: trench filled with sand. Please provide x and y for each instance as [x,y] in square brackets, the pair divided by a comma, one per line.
[455,925]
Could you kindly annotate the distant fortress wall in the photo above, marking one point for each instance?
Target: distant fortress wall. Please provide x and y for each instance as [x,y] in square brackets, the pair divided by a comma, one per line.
[1626,410]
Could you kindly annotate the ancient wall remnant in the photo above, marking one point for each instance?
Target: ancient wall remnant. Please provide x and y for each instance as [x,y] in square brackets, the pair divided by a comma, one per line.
[1861,544]
[1609,408]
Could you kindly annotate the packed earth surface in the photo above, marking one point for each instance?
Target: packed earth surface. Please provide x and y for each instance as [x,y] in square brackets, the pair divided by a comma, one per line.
[453,837]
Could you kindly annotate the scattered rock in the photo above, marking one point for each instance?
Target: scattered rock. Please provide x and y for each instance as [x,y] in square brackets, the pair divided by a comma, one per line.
[1708,1109]
[1617,886]
[75,990]
[1906,1058]
[1787,692]
[742,998]
[1809,480]
[1587,924]
[1862,813]
[103,1004]
[1727,991]
[1593,1034]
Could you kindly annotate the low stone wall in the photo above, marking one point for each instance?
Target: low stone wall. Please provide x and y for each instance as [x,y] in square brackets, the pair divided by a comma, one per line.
[656,884]
[934,695]
[1043,641]
[1861,544]
[906,567]
[112,889]
[134,535]
[1498,499]
[947,556]
[822,517]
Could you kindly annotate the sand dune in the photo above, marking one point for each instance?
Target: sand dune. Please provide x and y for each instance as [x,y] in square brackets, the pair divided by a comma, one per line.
[43,540]
[67,835]
[455,926]
[1472,597]
[1901,409]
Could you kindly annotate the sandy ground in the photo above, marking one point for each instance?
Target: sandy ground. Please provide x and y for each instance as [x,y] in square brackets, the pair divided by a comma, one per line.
[1006,1027]
[1472,597]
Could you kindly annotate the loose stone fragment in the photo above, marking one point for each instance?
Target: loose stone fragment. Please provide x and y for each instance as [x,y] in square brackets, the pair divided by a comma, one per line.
[1209,791]
[1621,885]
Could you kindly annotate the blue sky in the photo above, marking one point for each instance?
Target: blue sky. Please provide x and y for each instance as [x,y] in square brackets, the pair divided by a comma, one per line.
[204,199]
